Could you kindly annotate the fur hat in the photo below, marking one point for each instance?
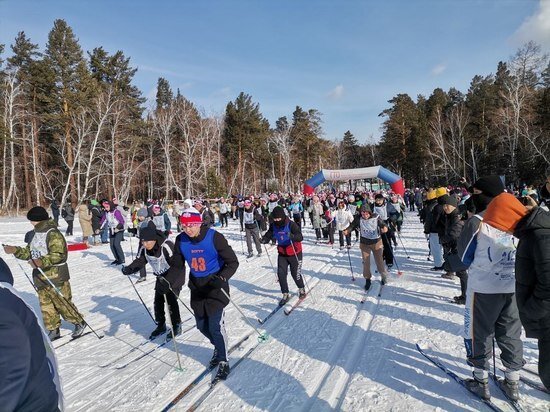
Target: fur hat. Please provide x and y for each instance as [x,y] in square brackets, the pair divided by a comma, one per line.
[37,214]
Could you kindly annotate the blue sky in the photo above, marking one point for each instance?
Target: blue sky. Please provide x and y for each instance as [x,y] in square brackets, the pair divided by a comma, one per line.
[343,58]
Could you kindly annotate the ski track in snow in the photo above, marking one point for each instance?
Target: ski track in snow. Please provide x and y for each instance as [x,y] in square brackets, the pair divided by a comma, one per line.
[331,353]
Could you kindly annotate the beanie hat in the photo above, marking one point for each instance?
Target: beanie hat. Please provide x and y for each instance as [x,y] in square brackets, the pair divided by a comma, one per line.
[142,212]
[278,213]
[379,196]
[449,200]
[37,214]
[94,202]
[188,202]
[440,191]
[490,185]
[351,198]
[365,208]
[190,216]
[148,233]
[504,212]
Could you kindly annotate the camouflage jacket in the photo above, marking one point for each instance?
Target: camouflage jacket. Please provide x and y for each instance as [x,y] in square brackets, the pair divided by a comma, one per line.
[50,246]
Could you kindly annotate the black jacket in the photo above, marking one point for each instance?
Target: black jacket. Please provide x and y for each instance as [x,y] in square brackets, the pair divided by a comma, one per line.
[97,214]
[206,299]
[453,225]
[533,273]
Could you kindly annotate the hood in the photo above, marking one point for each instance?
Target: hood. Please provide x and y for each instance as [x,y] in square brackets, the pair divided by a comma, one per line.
[5,273]
[537,219]
[45,225]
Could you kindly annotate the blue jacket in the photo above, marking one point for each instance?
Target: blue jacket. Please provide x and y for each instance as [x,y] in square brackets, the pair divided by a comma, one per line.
[28,369]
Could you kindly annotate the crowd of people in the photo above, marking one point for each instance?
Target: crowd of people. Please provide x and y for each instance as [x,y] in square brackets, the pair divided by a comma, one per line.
[495,241]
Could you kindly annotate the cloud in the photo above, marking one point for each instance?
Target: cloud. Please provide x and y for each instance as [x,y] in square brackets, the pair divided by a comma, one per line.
[535,27]
[159,70]
[336,93]
[437,70]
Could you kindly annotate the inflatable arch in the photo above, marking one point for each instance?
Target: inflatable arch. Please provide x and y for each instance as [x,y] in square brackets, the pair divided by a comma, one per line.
[379,172]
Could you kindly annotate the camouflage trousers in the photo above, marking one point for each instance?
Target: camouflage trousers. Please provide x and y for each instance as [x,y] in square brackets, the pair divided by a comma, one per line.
[53,305]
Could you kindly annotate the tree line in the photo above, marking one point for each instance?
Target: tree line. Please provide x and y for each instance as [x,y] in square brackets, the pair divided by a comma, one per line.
[74,126]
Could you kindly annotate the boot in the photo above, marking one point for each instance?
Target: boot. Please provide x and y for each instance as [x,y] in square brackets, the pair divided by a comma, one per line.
[54,334]
[78,330]
[510,388]
[141,280]
[214,361]
[459,300]
[285,299]
[448,275]
[250,254]
[161,328]
[301,293]
[480,388]
[367,284]
[384,279]
[223,371]
[435,268]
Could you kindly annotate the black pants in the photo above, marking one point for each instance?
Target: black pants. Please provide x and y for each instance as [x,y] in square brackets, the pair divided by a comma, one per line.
[116,249]
[69,231]
[297,219]
[388,250]
[463,276]
[295,263]
[341,238]
[172,305]
[223,219]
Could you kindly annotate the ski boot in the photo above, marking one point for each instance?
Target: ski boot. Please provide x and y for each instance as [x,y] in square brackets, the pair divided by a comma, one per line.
[367,284]
[510,388]
[480,388]
[285,299]
[459,300]
[223,371]
[214,361]
[161,328]
[78,330]
[54,334]
[301,293]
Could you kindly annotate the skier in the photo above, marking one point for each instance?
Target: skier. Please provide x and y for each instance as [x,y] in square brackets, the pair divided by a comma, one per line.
[491,311]
[161,220]
[158,252]
[344,217]
[114,222]
[143,221]
[371,227]
[211,263]
[289,245]
[48,251]
[316,212]
[29,373]
[252,219]
[383,211]
[225,209]
[296,209]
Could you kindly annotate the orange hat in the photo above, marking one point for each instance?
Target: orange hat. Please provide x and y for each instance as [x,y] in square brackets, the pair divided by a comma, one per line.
[504,212]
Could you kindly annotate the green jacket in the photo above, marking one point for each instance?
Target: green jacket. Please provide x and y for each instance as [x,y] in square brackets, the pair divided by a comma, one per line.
[50,246]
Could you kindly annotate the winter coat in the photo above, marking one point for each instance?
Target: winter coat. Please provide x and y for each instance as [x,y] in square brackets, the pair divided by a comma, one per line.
[113,220]
[55,208]
[369,229]
[67,212]
[206,300]
[316,211]
[453,228]
[533,273]
[29,373]
[85,219]
[48,244]
[343,217]
[97,215]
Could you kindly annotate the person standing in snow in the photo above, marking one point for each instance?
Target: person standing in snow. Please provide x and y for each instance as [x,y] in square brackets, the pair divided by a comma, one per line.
[158,252]
[289,238]
[453,227]
[47,250]
[206,214]
[344,218]
[97,214]
[382,210]
[55,210]
[251,219]
[85,219]
[371,227]
[160,219]
[29,378]
[113,220]
[225,209]
[67,213]
[296,209]
[212,262]
[143,221]
[491,311]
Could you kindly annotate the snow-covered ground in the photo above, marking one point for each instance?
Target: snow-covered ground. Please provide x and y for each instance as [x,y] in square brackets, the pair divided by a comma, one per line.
[332,353]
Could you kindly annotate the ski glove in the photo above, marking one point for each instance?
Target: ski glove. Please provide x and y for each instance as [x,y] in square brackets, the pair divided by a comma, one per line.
[126,270]
[217,282]
[264,241]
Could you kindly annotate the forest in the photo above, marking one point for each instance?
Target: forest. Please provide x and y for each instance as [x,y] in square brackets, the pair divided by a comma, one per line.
[73,126]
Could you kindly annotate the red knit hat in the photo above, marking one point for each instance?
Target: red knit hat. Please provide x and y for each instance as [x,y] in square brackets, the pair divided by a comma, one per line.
[504,212]
[190,216]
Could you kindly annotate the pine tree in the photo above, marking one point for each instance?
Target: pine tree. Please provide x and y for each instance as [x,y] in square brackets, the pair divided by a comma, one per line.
[350,151]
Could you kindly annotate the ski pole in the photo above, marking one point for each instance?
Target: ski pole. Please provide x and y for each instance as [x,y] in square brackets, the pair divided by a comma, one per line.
[397,266]
[262,337]
[300,272]
[173,335]
[140,298]
[350,267]
[27,276]
[163,279]
[242,242]
[402,244]
[131,247]
[271,263]
[66,301]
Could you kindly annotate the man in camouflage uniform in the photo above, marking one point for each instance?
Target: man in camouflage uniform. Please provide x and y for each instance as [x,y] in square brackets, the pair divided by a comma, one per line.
[47,250]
